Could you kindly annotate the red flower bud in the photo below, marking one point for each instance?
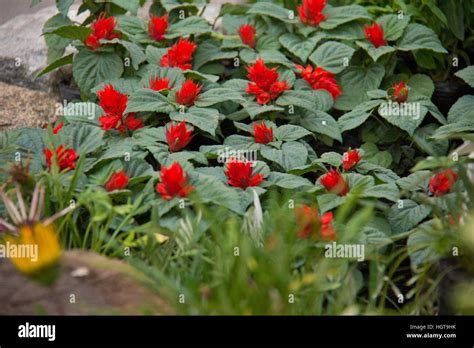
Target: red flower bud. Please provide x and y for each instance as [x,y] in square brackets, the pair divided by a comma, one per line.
[320,79]
[104,28]
[188,93]
[310,223]
[262,134]
[157,27]
[158,84]
[248,33]
[442,182]
[350,159]
[178,136]
[265,84]
[375,34]
[335,183]
[400,92]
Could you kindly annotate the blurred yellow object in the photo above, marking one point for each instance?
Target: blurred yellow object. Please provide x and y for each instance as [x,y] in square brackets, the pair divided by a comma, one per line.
[44,239]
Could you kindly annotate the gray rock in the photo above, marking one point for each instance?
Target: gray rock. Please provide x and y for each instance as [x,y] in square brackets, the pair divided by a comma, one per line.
[23,50]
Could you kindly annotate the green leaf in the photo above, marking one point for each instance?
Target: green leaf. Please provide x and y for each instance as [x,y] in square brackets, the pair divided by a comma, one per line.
[373,52]
[461,110]
[393,26]
[270,10]
[386,191]
[188,26]
[467,74]
[322,123]
[55,41]
[63,6]
[290,132]
[420,85]
[73,32]
[356,82]
[218,95]
[292,155]
[394,113]
[288,181]
[136,53]
[417,37]
[433,147]
[374,156]
[269,57]
[254,109]
[205,119]
[335,16]
[91,68]
[56,64]
[174,75]
[332,158]
[310,100]
[403,217]
[82,138]
[332,56]
[421,245]
[130,25]
[417,181]
[358,115]
[455,17]
[153,54]
[145,99]
[298,46]
[129,5]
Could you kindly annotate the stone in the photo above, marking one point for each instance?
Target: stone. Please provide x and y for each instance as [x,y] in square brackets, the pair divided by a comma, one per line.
[109,287]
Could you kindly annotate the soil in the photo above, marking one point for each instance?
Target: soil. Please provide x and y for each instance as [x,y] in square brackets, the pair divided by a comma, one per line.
[21,107]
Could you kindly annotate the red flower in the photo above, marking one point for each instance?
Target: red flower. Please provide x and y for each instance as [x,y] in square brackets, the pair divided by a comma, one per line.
[350,159]
[310,222]
[179,55]
[114,104]
[59,126]
[400,92]
[247,33]
[104,28]
[157,27]
[178,136]
[375,34]
[334,182]
[117,181]
[158,84]
[262,133]
[311,11]
[188,93]
[265,84]
[327,231]
[174,182]
[320,79]
[65,157]
[131,123]
[442,182]
[112,101]
[240,174]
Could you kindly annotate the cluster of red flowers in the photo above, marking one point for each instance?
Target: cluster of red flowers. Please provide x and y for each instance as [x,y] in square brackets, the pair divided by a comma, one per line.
[265,84]
[104,28]
[375,35]
[114,104]
[442,182]
[178,136]
[320,79]
[311,12]
[262,133]
[310,223]
[117,181]
[248,35]
[400,92]
[180,55]
[240,175]
[186,95]
[157,27]
[66,158]
[174,182]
